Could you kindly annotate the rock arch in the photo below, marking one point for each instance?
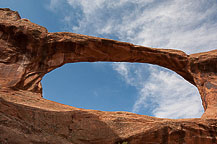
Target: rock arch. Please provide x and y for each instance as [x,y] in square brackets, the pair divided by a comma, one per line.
[28,52]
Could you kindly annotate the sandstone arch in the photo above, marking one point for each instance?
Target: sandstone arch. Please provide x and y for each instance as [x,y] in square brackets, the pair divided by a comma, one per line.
[28,52]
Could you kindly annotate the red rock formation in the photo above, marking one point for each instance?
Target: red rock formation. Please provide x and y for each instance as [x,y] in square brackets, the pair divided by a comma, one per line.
[28,52]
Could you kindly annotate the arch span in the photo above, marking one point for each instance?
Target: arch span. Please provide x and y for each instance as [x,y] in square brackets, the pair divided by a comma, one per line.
[28,52]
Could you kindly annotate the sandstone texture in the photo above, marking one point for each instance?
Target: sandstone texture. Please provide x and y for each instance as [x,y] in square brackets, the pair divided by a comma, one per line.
[28,51]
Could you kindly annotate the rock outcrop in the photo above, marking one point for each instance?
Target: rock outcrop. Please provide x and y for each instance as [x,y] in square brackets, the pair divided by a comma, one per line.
[28,51]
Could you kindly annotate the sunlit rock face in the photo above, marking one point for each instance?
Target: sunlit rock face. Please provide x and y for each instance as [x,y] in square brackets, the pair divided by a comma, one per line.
[28,52]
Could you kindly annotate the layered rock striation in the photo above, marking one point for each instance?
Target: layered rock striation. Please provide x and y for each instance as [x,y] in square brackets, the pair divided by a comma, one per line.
[28,51]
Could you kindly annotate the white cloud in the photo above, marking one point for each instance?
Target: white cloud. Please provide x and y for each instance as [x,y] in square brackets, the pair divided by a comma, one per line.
[167,94]
[54,4]
[187,25]
[182,24]
[173,97]
[132,74]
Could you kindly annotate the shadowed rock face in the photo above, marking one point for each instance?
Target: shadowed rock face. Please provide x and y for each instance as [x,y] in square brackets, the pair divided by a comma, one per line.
[28,52]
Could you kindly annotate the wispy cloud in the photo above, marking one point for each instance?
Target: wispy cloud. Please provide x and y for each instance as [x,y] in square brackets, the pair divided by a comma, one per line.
[53,5]
[170,95]
[162,91]
[187,25]
[182,24]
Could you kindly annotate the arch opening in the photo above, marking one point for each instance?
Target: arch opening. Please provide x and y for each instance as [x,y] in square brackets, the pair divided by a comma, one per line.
[134,87]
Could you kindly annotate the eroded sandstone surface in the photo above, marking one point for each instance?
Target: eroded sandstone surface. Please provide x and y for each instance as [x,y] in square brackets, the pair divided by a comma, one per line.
[28,51]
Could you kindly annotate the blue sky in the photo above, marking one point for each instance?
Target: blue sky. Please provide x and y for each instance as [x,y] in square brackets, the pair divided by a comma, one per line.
[187,25]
